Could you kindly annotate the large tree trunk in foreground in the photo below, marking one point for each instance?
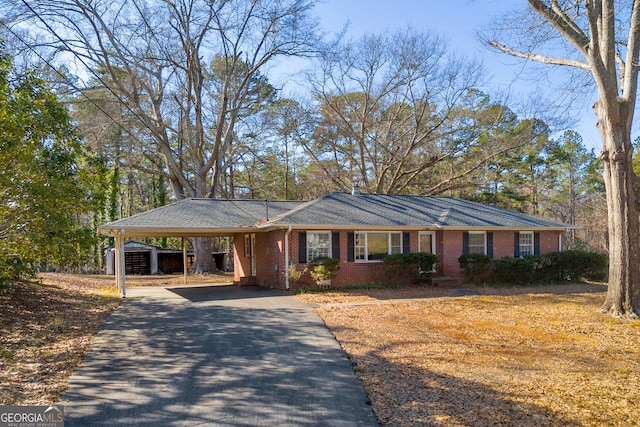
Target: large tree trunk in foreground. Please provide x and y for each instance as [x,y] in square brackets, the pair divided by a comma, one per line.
[623,295]
[607,36]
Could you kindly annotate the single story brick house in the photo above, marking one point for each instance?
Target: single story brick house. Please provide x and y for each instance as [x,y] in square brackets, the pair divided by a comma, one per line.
[358,229]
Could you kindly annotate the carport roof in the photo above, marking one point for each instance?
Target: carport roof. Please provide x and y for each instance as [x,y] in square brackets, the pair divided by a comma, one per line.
[198,217]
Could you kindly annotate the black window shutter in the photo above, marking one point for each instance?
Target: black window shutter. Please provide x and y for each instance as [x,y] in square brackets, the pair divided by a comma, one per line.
[351,247]
[536,243]
[465,243]
[406,243]
[302,247]
[516,245]
[335,245]
[490,245]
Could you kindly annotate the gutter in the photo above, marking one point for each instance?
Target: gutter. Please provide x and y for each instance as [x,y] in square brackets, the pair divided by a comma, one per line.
[286,257]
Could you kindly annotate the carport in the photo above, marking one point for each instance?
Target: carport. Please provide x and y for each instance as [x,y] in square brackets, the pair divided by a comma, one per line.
[190,218]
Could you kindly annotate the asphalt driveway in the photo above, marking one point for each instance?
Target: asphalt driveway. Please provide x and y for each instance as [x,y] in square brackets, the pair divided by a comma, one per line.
[215,356]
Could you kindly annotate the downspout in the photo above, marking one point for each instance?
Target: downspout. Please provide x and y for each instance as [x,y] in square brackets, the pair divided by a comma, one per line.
[286,258]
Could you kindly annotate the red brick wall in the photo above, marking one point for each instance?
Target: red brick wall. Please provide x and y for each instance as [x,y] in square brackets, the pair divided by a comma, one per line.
[549,241]
[272,267]
[350,273]
[270,259]
[241,264]
[450,247]
[269,248]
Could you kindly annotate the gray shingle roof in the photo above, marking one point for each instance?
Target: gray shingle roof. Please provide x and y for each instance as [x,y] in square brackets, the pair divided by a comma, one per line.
[369,210]
[199,216]
[193,217]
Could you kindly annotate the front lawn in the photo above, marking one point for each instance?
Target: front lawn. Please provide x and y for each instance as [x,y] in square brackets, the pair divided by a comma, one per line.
[512,356]
[45,329]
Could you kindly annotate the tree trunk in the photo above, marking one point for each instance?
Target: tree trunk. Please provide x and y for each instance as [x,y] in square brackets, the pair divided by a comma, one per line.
[623,296]
[202,255]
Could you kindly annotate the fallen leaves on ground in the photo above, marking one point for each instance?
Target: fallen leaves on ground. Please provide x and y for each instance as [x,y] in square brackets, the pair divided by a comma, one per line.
[46,326]
[176,279]
[536,356]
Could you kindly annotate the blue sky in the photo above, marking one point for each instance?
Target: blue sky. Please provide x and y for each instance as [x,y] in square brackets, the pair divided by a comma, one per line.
[456,21]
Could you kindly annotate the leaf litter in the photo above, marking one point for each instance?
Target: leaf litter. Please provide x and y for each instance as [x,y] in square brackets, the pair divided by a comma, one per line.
[534,356]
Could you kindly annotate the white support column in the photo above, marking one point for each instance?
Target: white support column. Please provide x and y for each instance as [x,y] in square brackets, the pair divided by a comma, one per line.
[110,264]
[154,260]
[184,261]
[117,264]
[120,264]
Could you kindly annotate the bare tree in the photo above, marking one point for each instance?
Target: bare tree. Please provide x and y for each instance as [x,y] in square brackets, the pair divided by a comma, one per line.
[185,69]
[400,114]
[601,38]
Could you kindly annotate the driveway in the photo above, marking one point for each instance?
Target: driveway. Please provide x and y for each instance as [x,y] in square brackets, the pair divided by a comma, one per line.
[215,356]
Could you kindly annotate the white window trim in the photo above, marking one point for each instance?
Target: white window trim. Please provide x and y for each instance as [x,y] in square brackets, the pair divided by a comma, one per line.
[433,240]
[484,234]
[532,245]
[366,244]
[309,259]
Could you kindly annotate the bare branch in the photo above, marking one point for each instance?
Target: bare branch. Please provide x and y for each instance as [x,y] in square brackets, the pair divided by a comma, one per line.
[541,58]
[561,22]
[629,74]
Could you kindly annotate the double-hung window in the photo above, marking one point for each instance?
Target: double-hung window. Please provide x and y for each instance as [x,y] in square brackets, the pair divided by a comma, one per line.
[375,245]
[526,243]
[318,244]
[477,242]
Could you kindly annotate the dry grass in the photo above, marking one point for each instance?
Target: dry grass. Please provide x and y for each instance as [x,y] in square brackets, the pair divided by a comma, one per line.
[45,328]
[176,279]
[511,356]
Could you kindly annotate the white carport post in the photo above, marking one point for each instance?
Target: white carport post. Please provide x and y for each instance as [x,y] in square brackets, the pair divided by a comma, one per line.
[120,263]
[184,261]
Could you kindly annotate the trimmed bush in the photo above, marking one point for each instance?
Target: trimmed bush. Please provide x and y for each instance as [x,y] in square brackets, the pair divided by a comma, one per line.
[416,267]
[474,266]
[516,270]
[573,266]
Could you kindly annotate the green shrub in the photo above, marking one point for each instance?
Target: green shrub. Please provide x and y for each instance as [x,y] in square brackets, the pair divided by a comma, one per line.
[417,266]
[554,267]
[575,266]
[295,275]
[516,270]
[324,268]
[475,265]
[12,268]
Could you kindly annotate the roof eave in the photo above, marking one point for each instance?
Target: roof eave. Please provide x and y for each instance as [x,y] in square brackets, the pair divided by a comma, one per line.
[171,232]
[426,227]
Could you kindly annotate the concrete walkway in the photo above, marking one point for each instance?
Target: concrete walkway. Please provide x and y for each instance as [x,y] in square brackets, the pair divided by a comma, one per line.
[215,356]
